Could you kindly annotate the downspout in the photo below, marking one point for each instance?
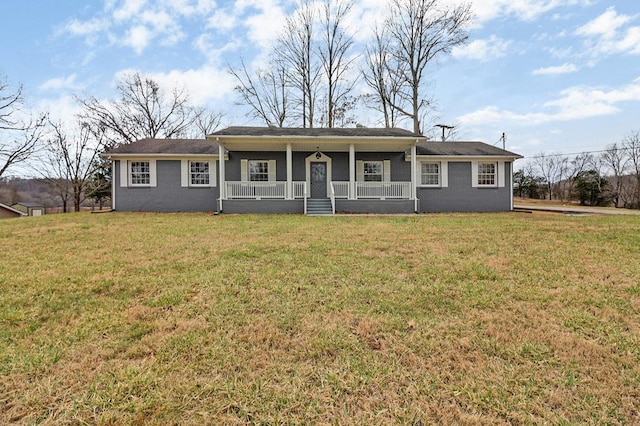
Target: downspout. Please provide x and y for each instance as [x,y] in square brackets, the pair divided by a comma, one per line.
[221,163]
[414,192]
[113,185]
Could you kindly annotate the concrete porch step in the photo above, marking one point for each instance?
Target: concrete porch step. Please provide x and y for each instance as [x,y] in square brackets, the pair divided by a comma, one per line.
[319,207]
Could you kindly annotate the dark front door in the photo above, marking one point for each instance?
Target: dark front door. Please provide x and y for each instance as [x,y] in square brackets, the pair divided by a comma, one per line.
[318,180]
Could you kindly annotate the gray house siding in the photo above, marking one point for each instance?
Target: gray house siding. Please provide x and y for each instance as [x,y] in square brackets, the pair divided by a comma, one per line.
[460,196]
[167,196]
[375,206]
[263,206]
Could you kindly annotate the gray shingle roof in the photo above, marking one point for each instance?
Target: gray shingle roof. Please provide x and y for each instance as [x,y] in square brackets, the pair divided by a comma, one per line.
[462,148]
[167,146]
[315,132]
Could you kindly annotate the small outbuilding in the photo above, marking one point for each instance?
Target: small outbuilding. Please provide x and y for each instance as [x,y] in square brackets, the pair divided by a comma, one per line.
[30,209]
[7,212]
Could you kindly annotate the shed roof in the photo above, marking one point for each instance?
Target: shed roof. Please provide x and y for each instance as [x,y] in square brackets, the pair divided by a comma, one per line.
[11,209]
[167,146]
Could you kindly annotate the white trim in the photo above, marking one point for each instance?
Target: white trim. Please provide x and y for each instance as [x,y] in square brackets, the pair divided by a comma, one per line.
[272,170]
[113,187]
[444,174]
[289,188]
[244,170]
[153,174]
[501,174]
[443,171]
[352,172]
[185,173]
[313,159]
[124,173]
[386,171]
[474,174]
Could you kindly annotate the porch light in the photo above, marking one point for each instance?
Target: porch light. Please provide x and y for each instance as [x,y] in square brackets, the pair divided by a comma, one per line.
[318,155]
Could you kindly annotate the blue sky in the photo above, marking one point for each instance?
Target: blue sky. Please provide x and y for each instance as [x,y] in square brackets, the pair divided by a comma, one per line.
[557,76]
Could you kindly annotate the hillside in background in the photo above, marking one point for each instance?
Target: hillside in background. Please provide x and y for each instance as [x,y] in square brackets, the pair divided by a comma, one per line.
[15,190]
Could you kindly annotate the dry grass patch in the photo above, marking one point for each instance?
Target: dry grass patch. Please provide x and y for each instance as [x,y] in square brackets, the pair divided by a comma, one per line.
[194,319]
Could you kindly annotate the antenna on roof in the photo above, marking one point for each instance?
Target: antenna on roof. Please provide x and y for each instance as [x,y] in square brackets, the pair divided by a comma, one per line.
[443,127]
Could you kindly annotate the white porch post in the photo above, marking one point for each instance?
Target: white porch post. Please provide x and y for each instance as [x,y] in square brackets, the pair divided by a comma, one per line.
[352,171]
[414,192]
[223,184]
[289,189]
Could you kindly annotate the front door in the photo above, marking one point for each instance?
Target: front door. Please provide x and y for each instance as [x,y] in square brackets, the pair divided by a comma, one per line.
[318,180]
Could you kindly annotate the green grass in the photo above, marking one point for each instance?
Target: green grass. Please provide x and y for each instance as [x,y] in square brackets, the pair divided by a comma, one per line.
[193,319]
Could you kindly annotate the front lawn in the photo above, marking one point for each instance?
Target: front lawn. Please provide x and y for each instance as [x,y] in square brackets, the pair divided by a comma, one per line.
[134,318]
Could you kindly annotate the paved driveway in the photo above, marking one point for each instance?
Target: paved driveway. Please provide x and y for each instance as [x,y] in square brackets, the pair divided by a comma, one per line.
[576,209]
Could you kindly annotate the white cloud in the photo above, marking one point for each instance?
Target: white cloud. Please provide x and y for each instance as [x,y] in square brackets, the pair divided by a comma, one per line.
[482,49]
[610,34]
[129,10]
[605,25]
[204,85]
[526,10]
[61,83]
[575,103]
[86,28]
[138,38]
[566,68]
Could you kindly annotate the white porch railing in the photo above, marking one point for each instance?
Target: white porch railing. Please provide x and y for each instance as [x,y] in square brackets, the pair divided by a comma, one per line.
[379,190]
[260,190]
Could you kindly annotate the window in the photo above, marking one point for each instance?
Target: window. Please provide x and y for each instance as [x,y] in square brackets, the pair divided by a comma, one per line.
[258,171]
[140,173]
[430,174]
[199,173]
[372,171]
[487,174]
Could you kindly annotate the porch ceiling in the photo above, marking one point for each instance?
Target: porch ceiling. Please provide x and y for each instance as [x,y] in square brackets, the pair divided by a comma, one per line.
[317,144]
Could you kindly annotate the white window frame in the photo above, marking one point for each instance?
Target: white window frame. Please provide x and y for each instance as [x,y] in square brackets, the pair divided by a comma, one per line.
[245,170]
[126,173]
[498,176]
[367,172]
[385,175]
[203,175]
[437,174]
[187,178]
[262,172]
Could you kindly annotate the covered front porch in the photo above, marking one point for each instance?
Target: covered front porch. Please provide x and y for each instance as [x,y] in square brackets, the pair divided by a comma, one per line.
[281,174]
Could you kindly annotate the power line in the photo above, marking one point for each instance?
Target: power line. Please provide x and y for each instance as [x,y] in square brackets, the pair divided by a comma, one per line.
[622,148]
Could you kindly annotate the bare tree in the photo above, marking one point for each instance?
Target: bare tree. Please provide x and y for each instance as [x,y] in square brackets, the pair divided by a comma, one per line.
[206,122]
[333,52]
[382,78]
[19,134]
[550,168]
[70,161]
[420,32]
[267,93]
[143,110]
[295,48]
[631,145]
[616,161]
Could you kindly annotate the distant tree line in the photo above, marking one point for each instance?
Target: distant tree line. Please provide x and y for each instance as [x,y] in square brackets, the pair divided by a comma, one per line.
[607,178]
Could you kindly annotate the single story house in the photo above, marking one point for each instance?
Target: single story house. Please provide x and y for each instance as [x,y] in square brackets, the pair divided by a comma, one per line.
[9,212]
[30,209]
[311,171]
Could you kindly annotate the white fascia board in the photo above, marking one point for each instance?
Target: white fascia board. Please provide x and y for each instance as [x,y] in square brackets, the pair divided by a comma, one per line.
[462,157]
[213,157]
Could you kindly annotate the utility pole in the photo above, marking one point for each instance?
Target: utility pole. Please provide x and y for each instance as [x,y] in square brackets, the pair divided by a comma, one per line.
[443,127]
[504,140]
